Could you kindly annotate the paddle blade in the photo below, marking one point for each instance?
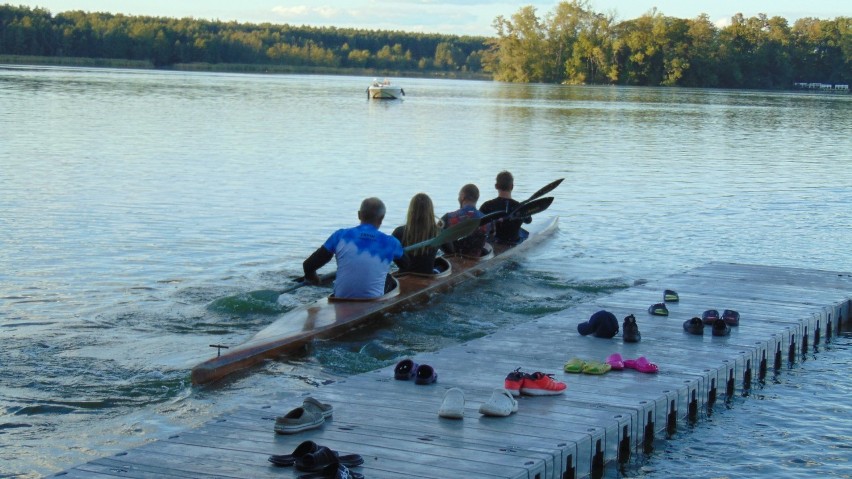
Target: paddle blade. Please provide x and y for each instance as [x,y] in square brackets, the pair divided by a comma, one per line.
[452,233]
[547,189]
[493,216]
[531,208]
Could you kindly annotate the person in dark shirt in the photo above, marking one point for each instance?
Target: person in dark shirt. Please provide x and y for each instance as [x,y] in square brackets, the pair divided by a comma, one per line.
[472,244]
[419,226]
[505,231]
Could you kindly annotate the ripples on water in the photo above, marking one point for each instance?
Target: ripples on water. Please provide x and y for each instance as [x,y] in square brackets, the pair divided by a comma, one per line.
[140,209]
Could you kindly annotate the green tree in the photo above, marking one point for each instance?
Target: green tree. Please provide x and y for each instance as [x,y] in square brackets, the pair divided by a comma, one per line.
[518,53]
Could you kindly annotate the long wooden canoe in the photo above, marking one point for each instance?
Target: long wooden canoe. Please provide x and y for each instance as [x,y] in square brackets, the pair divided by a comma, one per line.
[329,317]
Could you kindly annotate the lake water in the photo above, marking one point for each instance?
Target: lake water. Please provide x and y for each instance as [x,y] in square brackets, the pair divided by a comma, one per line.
[136,206]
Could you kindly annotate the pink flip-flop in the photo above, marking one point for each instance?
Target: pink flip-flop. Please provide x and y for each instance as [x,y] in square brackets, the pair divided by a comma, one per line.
[615,361]
[641,364]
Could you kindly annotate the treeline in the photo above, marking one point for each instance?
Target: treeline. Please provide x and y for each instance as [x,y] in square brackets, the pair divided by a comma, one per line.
[168,41]
[575,45]
[571,45]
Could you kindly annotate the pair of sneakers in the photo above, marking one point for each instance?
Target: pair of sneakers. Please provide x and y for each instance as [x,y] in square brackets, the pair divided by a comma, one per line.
[535,384]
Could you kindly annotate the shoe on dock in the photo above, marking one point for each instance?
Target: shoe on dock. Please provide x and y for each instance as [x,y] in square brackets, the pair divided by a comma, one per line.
[404,370]
[500,404]
[513,382]
[694,326]
[541,384]
[452,406]
[721,328]
[658,309]
[318,407]
[425,374]
[710,316]
[574,365]
[731,317]
[630,330]
[298,420]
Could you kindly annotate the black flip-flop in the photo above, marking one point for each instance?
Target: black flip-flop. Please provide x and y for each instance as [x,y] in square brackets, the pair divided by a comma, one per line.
[284,460]
[334,471]
[324,457]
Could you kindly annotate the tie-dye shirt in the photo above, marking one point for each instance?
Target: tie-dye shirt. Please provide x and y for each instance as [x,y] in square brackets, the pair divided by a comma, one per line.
[364,255]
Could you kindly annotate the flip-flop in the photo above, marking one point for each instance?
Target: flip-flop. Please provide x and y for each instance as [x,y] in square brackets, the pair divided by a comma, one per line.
[641,364]
[323,457]
[596,368]
[285,460]
[658,309]
[574,365]
[334,471]
[615,361]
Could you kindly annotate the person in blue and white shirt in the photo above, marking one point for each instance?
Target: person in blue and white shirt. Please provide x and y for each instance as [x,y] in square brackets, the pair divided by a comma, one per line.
[364,255]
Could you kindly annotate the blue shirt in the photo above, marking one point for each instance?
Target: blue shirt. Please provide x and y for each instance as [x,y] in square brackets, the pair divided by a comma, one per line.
[364,255]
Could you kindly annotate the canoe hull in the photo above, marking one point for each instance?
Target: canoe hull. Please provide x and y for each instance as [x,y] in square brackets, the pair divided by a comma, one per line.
[327,318]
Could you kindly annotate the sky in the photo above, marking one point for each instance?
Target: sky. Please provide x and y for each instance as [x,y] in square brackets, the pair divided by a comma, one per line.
[453,17]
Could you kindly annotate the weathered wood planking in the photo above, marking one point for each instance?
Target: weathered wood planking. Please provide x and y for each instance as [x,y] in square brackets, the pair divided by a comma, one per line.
[599,420]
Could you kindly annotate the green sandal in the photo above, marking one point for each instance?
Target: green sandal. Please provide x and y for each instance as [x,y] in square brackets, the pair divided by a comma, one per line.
[594,367]
[574,365]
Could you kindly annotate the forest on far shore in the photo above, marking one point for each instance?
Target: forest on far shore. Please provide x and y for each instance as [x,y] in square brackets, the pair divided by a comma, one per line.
[570,45]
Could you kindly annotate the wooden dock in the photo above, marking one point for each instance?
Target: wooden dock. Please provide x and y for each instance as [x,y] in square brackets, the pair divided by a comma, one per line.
[600,420]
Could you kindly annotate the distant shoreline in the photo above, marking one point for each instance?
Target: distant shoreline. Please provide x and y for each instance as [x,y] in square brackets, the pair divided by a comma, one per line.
[25,60]
[233,67]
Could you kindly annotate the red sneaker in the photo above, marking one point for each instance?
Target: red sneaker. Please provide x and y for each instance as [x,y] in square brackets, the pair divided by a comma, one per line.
[540,384]
[514,381]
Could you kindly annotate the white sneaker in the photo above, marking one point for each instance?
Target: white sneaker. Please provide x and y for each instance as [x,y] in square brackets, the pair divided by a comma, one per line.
[453,405]
[500,404]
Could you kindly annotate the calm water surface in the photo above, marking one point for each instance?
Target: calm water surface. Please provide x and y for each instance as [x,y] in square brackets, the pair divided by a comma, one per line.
[136,207]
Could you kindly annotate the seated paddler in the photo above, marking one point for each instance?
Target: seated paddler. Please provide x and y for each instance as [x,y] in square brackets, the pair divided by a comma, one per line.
[474,243]
[419,226]
[506,231]
[363,253]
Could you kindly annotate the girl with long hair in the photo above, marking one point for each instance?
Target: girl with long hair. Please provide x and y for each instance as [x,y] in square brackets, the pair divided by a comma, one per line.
[419,226]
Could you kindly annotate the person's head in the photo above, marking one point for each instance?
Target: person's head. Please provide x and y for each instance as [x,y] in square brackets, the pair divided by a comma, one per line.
[372,211]
[469,193]
[420,221]
[505,181]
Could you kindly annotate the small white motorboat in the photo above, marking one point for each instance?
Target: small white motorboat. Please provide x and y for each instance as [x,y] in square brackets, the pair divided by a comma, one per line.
[383,90]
